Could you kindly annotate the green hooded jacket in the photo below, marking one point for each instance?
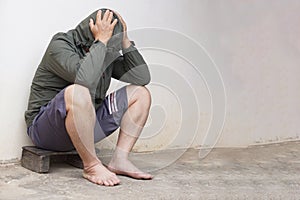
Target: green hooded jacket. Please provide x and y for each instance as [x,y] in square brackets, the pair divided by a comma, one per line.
[74,58]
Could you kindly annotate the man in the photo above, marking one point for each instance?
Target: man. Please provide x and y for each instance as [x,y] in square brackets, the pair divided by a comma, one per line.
[67,107]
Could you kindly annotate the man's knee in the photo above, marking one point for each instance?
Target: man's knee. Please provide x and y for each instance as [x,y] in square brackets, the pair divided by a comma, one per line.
[77,96]
[144,94]
[139,93]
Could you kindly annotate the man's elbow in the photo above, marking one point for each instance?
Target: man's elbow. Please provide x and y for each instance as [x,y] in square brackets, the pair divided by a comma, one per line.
[146,76]
[147,80]
[143,76]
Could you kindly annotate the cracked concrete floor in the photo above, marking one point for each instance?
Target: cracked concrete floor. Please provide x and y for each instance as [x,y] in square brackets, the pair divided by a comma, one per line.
[258,172]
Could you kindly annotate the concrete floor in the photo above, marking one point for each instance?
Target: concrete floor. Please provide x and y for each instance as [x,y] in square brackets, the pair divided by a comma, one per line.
[257,172]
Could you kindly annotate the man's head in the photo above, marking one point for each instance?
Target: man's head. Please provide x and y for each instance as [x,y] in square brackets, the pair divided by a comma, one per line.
[84,36]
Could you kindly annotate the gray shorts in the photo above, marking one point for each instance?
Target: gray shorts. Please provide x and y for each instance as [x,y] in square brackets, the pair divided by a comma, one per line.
[48,129]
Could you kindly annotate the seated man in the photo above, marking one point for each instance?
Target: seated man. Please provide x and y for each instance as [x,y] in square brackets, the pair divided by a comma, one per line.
[67,106]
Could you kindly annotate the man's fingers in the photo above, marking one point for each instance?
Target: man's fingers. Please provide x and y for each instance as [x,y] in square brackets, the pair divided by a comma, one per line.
[106,15]
[114,23]
[119,16]
[110,16]
[99,14]
[117,13]
[122,20]
[91,23]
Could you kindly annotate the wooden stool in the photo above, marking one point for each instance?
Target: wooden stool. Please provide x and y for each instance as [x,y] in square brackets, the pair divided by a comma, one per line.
[38,160]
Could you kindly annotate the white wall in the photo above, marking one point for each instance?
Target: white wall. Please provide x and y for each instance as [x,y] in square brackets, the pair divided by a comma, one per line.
[251,50]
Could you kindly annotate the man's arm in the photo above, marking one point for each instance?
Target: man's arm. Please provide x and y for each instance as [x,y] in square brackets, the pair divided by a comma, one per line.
[131,67]
[66,62]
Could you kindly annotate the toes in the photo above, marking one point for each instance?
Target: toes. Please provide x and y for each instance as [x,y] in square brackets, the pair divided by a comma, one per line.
[106,183]
[100,183]
[96,180]
[111,181]
[101,176]
[143,176]
[115,180]
[148,176]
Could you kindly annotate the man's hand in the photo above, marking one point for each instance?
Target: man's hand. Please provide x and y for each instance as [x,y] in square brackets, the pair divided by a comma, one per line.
[103,28]
[126,42]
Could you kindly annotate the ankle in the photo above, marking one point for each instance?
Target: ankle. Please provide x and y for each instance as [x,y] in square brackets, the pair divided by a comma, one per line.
[88,166]
[120,154]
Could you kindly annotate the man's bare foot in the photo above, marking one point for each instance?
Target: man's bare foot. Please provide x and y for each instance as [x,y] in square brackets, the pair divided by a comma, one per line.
[126,168]
[100,175]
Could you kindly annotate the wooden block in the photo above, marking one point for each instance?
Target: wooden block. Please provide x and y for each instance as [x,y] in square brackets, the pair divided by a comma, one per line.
[38,160]
[35,162]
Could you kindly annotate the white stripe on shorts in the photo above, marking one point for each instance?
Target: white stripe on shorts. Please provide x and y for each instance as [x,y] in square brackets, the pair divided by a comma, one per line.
[115,102]
[112,103]
[109,108]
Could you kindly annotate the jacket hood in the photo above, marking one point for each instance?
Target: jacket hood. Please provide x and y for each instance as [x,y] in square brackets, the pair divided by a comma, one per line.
[84,37]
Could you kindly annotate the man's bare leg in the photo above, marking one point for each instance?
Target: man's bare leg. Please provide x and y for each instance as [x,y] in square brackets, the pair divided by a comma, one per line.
[133,121]
[80,123]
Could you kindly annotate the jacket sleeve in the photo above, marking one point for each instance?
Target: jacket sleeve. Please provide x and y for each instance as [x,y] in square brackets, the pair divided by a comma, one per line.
[65,62]
[131,67]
